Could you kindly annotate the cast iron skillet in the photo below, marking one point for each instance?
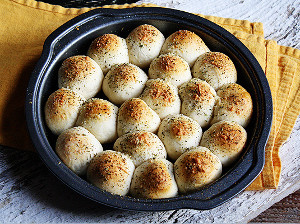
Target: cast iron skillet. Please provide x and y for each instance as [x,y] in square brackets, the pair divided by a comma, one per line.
[75,36]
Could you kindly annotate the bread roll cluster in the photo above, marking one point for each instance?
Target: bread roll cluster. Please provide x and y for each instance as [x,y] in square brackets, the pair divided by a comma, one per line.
[150,98]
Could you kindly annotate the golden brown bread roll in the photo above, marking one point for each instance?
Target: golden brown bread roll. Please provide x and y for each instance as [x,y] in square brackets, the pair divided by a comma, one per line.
[170,68]
[62,109]
[136,115]
[162,97]
[81,74]
[185,44]
[154,179]
[215,68]
[141,146]
[226,139]
[100,118]
[144,44]
[198,100]
[196,168]
[108,50]
[178,133]
[234,103]
[123,82]
[76,147]
[111,171]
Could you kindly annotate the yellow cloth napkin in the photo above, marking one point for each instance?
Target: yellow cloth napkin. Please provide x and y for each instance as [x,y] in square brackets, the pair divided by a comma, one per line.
[26,24]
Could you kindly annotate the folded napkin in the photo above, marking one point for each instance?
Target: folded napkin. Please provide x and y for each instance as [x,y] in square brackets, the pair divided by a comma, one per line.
[27,23]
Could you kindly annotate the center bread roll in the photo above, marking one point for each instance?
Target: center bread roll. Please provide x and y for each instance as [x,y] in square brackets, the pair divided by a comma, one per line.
[198,100]
[111,171]
[154,179]
[162,97]
[123,82]
[100,118]
[136,115]
[141,146]
[178,133]
[185,44]
[196,168]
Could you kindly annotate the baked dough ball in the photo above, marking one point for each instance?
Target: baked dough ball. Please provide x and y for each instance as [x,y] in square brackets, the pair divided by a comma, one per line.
[144,44]
[123,82]
[185,44]
[162,97]
[108,50]
[136,115]
[100,118]
[226,139]
[196,168]
[198,99]
[61,110]
[141,146]
[178,133]
[81,74]
[76,147]
[154,179]
[215,68]
[170,68]
[111,171]
[233,104]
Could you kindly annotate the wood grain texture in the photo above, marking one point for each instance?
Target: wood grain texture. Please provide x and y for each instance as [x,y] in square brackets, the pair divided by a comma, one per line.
[285,211]
[280,18]
[30,193]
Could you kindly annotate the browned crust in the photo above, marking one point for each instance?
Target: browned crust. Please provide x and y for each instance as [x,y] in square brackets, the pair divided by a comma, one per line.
[195,164]
[106,42]
[144,33]
[134,109]
[156,178]
[199,91]
[161,90]
[140,139]
[97,107]
[182,128]
[109,166]
[184,36]
[218,60]
[123,73]
[236,97]
[168,63]
[229,136]
[60,98]
[80,139]
[76,67]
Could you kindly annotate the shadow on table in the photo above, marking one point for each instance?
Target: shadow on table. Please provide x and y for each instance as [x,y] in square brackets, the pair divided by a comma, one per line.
[26,173]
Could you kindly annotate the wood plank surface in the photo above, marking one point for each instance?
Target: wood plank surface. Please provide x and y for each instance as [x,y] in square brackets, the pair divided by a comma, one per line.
[285,211]
[30,193]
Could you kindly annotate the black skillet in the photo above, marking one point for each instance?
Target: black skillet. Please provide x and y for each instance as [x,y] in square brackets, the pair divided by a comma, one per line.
[75,36]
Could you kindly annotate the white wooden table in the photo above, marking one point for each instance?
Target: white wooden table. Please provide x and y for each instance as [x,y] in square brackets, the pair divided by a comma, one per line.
[30,193]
